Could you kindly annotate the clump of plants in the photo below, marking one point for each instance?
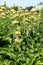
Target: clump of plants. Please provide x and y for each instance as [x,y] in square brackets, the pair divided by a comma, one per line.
[21,37]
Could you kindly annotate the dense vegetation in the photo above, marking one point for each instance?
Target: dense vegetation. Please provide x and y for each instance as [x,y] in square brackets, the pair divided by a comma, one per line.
[21,37]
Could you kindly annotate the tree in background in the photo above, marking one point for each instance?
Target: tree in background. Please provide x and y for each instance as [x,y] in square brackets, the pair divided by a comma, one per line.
[29,8]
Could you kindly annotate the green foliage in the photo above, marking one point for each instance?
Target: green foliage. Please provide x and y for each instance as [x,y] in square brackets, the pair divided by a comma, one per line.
[30,49]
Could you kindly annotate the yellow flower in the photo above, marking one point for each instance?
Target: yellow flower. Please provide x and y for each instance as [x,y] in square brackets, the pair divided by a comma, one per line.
[25,19]
[3,14]
[18,28]
[15,22]
[1,10]
[12,17]
[32,17]
[16,15]
[17,32]
[3,17]
[26,14]
[18,11]
[21,11]
[12,10]
[35,12]
[26,10]
[22,14]
[17,40]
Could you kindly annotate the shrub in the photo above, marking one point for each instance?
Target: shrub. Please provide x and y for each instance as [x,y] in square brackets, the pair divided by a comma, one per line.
[21,38]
